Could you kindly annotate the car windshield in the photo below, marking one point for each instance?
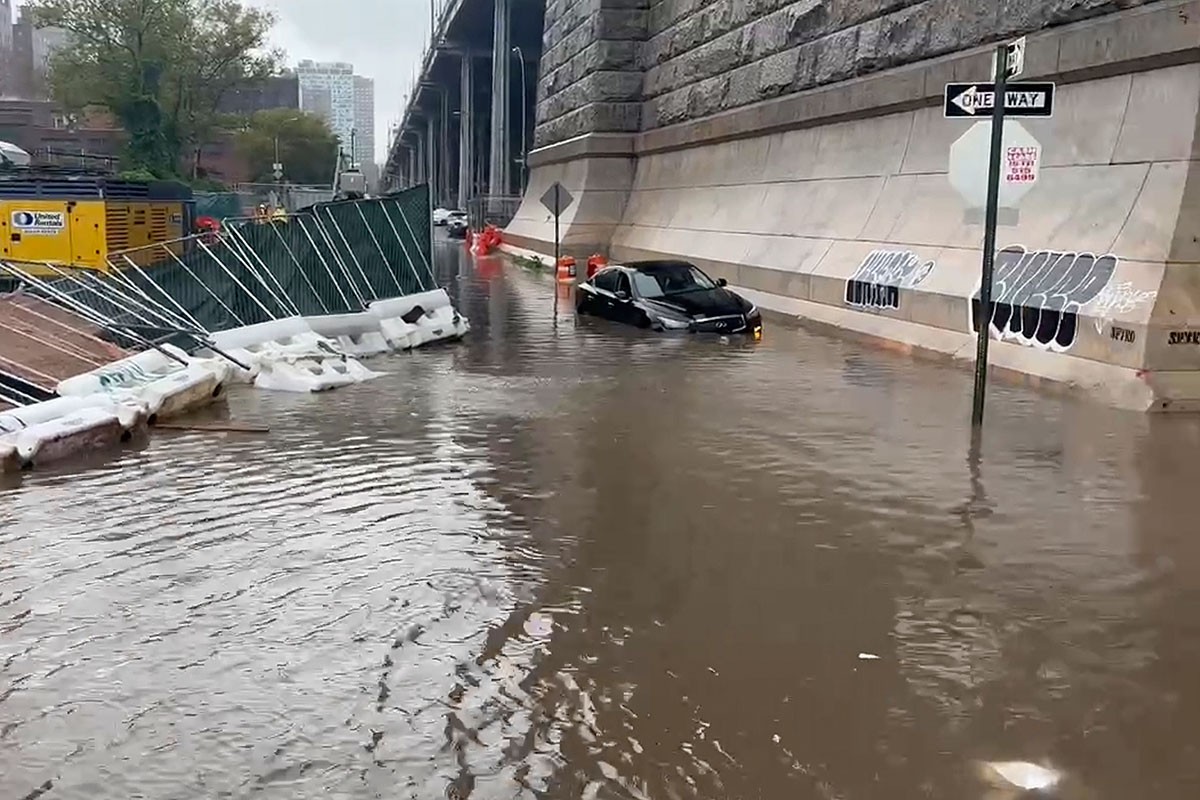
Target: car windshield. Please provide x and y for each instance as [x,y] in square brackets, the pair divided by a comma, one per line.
[662,281]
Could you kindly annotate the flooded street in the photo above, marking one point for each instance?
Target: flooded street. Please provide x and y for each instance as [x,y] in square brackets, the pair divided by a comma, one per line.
[577,561]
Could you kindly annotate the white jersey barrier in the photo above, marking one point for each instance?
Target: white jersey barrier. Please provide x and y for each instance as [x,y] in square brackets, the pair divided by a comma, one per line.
[288,355]
[45,432]
[418,319]
[358,335]
[162,385]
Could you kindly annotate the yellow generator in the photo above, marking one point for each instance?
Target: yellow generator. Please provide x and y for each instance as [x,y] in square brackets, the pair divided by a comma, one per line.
[90,221]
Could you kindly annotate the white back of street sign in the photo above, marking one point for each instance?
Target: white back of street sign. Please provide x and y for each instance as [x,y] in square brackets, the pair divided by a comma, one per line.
[557,199]
[1016,59]
[1020,166]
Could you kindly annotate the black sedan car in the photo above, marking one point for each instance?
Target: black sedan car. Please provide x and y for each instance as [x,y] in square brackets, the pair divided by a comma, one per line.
[667,296]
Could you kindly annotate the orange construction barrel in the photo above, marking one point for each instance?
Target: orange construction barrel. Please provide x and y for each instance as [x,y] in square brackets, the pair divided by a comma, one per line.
[566,268]
[596,263]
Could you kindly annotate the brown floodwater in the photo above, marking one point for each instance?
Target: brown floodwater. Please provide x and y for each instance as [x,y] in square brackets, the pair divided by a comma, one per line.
[565,560]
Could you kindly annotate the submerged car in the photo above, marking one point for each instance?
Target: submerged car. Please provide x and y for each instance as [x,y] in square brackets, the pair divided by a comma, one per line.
[667,296]
[456,225]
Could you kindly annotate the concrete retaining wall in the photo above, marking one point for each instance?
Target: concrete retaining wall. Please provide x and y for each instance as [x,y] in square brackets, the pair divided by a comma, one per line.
[835,205]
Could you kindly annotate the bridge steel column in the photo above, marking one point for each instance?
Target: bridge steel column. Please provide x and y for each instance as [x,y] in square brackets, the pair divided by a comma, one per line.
[466,121]
[445,190]
[431,158]
[422,158]
[501,155]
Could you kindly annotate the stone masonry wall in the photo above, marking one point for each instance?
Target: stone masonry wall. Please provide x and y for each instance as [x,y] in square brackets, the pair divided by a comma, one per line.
[706,56]
[589,78]
[623,66]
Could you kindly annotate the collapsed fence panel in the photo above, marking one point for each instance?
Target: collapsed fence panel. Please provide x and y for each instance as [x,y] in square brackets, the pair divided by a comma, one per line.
[332,258]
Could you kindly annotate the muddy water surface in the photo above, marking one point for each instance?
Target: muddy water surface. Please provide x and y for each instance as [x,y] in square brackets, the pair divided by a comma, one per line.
[569,561]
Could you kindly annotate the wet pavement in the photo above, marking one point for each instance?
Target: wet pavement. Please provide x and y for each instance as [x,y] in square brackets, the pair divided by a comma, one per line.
[575,561]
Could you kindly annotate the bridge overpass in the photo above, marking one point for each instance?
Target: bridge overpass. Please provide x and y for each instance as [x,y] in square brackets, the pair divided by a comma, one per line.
[798,149]
[453,135]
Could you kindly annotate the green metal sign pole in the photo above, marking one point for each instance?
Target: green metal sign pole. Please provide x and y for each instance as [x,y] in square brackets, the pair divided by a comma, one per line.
[554,271]
[991,216]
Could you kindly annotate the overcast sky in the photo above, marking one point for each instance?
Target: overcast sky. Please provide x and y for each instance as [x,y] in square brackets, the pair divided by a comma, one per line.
[383,39]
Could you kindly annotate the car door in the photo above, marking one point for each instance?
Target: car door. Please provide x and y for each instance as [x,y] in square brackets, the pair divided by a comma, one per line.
[604,301]
[623,309]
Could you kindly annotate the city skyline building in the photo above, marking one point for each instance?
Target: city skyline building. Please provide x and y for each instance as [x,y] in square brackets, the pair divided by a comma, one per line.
[347,102]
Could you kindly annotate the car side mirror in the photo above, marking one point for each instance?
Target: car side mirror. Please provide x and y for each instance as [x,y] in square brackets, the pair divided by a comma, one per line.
[722,282]
[623,295]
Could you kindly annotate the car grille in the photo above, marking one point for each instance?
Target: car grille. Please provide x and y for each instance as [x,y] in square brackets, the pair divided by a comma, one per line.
[733,323]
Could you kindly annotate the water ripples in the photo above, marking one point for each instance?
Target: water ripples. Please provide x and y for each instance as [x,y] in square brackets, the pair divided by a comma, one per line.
[567,560]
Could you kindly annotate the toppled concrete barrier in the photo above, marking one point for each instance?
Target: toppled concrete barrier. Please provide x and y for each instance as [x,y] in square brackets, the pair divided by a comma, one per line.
[356,335]
[287,355]
[165,386]
[52,431]
[419,319]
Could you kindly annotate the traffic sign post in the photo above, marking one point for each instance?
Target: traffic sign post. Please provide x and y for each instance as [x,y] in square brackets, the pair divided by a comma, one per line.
[975,100]
[991,214]
[557,200]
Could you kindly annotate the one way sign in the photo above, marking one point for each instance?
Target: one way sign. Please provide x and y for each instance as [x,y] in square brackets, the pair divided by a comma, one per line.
[1023,99]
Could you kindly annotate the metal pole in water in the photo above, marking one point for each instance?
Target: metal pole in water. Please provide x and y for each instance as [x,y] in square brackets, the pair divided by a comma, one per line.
[989,237]
[554,271]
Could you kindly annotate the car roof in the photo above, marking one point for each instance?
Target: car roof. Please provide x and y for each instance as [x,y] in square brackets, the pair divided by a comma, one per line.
[658,266]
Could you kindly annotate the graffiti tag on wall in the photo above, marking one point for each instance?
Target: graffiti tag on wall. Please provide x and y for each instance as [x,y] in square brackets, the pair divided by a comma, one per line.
[1037,296]
[1118,298]
[880,277]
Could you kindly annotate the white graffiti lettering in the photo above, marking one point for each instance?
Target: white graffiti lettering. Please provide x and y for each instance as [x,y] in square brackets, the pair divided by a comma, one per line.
[880,277]
[1037,296]
[1118,298]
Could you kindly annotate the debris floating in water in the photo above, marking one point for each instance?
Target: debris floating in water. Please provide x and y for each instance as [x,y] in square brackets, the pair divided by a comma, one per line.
[1023,774]
[867,657]
[218,427]
[539,625]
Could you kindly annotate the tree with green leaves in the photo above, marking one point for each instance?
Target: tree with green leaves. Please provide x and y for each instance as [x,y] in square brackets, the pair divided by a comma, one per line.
[161,66]
[307,147]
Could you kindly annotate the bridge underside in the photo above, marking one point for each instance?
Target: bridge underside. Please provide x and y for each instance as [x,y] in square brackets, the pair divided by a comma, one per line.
[470,117]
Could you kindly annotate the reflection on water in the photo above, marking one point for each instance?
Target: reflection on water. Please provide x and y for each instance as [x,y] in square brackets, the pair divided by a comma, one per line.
[566,561]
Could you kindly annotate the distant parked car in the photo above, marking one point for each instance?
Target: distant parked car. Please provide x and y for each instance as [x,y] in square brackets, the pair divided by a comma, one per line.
[667,296]
[441,216]
[456,225]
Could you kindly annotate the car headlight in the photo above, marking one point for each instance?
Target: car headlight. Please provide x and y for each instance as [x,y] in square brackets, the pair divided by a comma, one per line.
[674,323]
[753,310]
